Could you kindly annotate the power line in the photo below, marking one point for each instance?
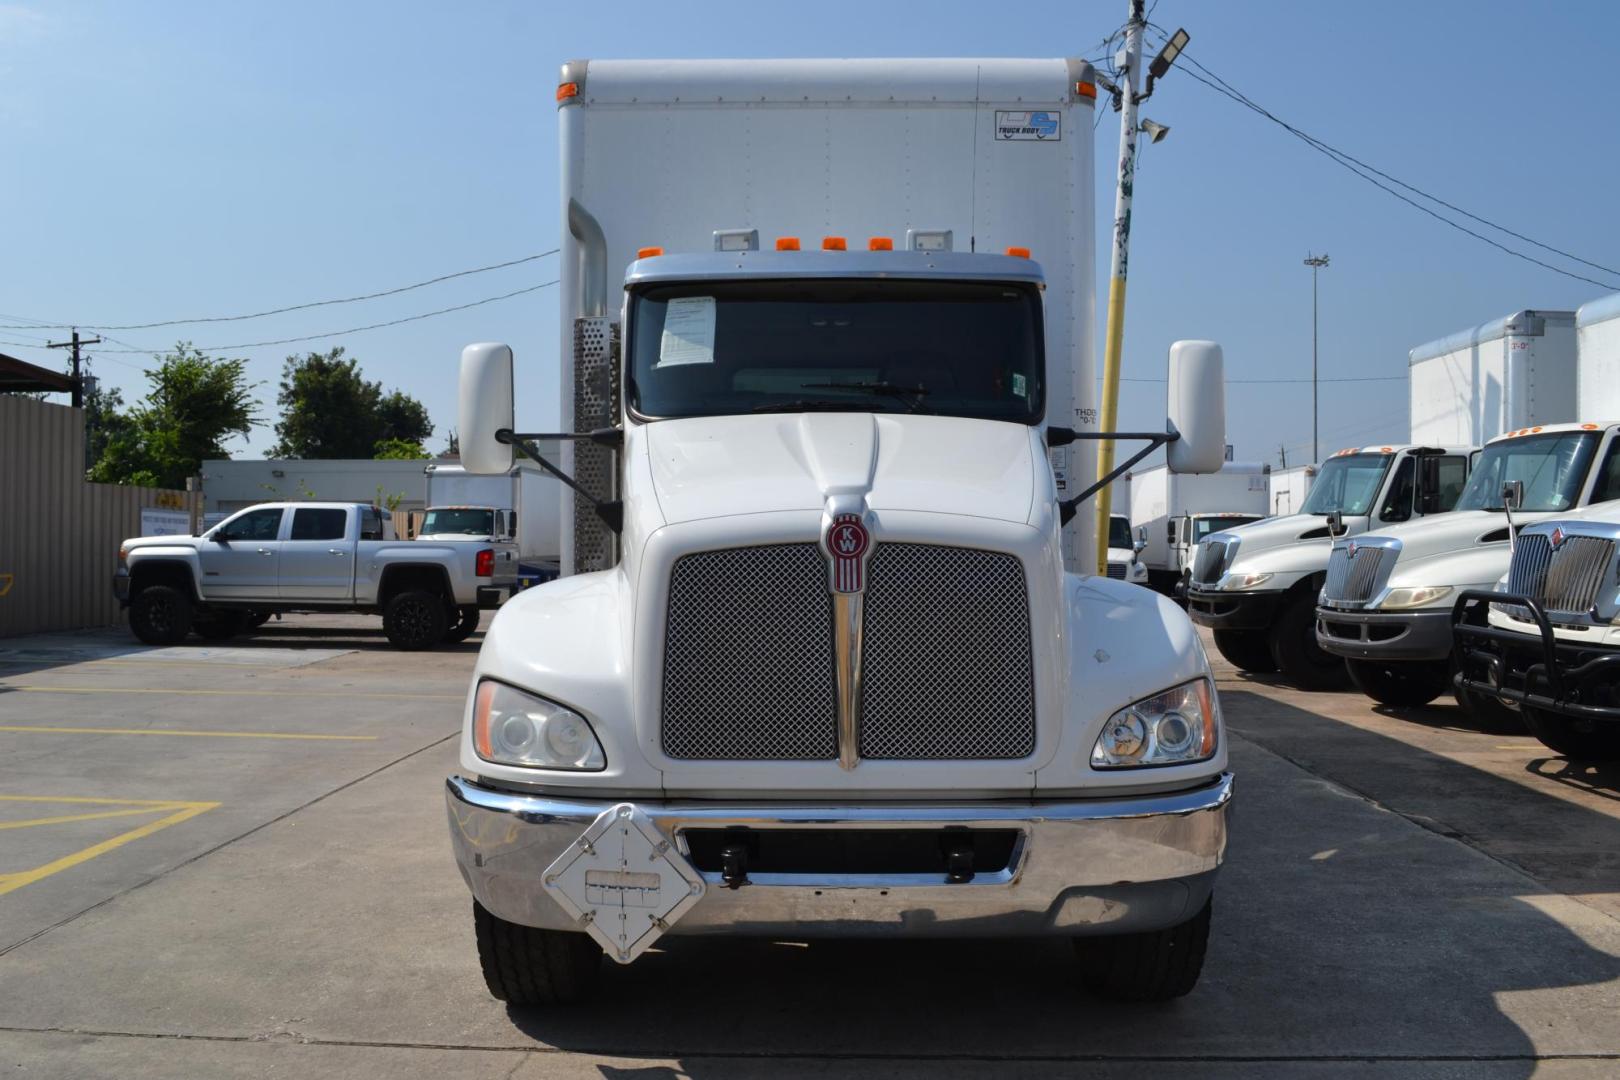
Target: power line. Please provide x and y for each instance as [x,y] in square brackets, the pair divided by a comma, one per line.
[353,329]
[1356,166]
[284,310]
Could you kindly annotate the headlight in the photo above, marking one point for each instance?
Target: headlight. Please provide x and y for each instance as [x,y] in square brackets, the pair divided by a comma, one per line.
[123,554]
[1171,728]
[1402,599]
[1244,581]
[514,728]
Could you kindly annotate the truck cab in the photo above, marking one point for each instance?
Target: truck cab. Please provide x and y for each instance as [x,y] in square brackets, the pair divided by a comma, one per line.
[1123,563]
[1256,586]
[1387,601]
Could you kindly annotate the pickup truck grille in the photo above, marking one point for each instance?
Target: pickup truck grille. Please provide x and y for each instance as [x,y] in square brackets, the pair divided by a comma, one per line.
[748,656]
[1564,581]
[1353,580]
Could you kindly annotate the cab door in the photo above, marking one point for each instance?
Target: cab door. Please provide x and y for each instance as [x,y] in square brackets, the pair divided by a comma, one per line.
[317,558]
[241,558]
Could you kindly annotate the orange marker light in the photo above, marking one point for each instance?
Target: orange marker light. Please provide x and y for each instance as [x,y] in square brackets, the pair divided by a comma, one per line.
[787,243]
[1589,427]
[567,90]
[832,243]
[880,243]
[648,252]
[1086,90]
[1018,252]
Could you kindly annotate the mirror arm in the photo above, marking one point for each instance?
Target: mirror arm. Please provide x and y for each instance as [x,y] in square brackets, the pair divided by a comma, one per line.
[1154,439]
[610,511]
[610,437]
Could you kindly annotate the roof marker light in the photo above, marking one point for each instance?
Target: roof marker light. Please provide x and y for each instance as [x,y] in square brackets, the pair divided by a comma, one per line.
[787,243]
[1589,427]
[833,243]
[567,90]
[880,243]
[648,252]
[1018,252]
[1086,90]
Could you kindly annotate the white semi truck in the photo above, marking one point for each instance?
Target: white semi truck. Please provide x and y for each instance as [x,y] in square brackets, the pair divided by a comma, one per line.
[1173,513]
[816,665]
[1258,586]
[523,506]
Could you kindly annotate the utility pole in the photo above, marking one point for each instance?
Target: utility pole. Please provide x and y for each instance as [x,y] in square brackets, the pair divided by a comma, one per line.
[78,383]
[1315,262]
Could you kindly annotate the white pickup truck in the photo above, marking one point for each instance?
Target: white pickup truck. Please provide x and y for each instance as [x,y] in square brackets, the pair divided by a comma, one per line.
[309,556]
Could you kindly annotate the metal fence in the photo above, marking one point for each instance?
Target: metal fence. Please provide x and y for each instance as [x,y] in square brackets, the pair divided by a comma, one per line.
[59,535]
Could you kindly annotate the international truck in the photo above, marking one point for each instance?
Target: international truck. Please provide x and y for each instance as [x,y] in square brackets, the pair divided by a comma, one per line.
[1173,513]
[1258,587]
[829,656]
[524,507]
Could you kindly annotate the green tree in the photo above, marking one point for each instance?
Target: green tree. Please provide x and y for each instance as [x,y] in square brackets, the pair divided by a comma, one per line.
[105,420]
[195,403]
[399,450]
[330,410]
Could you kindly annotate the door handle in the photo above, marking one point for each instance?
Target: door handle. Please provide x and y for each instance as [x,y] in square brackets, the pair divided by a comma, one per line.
[266,551]
[336,551]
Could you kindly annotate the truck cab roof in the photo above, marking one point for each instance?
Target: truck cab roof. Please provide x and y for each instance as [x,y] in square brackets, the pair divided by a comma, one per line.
[721,265]
[1554,429]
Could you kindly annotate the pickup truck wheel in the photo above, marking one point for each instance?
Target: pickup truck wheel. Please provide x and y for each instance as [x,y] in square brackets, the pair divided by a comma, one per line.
[527,966]
[1402,682]
[1578,740]
[415,620]
[1154,966]
[256,619]
[466,622]
[220,625]
[1246,650]
[160,615]
[1294,648]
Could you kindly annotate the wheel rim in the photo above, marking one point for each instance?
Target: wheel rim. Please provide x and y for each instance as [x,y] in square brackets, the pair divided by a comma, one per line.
[160,615]
[415,620]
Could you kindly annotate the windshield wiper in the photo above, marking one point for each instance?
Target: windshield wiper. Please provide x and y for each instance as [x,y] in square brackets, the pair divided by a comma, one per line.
[820,405]
[887,389]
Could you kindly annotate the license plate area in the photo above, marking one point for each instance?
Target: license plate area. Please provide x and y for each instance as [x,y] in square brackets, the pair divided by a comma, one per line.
[855,856]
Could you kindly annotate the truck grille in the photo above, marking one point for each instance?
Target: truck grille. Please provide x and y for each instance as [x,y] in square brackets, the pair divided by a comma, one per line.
[1214,556]
[748,656]
[1353,581]
[1564,581]
[1116,570]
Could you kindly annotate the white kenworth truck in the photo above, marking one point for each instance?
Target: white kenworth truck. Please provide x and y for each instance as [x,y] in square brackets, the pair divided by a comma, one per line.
[1547,640]
[816,666]
[1256,586]
[1387,602]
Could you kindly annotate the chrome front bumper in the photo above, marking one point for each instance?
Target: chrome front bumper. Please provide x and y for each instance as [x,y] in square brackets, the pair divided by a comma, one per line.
[1115,865]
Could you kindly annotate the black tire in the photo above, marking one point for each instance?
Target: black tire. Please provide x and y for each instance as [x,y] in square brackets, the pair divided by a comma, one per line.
[1487,711]
[1403,683]
[466,622]
[1154,966]
[1246,650]
[1294,648]
[220,625]
[1578,740]
[527,966]
[160,615]
[415,620]
[256,619]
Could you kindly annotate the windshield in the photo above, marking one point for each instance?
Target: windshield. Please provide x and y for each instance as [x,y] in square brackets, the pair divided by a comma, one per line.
[725,347]
[1347,484]
[459,523]
[1203,526]
[1119,531]
[1552,467]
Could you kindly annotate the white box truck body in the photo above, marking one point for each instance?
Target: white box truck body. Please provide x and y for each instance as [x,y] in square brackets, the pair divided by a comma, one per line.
[1598,368]
[1173,512]
[815,663]
[1514,372]
[531,498]
[1288,489]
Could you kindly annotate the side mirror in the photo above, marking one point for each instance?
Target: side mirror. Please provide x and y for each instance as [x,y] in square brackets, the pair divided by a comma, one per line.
[1140,545]
[1335,524]
[485,407]
[1513,494]
[1197,404]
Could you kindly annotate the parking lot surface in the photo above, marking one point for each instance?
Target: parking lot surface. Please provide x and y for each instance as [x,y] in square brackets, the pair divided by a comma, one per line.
[232,861]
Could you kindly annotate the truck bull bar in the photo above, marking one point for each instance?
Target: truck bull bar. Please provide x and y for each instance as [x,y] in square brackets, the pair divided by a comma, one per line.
[1540,672]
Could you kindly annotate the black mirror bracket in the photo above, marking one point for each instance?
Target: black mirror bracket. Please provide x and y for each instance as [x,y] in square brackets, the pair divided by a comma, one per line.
[1064,436]
[611,511]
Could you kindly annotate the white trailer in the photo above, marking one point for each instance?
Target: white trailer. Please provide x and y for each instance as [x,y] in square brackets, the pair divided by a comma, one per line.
[1173,512]
[1597,332]
[1514,372]
[1289,488]
[531,499]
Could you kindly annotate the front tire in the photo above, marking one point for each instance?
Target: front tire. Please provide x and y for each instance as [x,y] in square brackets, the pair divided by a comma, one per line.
[1407,683]
[524,965]
[1246,650]
[1294,648]
[1158,965]
[466,623]
[1578,740]
[415,620]
[160,615]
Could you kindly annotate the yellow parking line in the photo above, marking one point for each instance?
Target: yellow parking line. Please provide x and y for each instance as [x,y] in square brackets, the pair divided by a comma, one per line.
[225,693]
[183,811]
[63,819]
[1536,746]
[164,663]
[97,802]
[191,734]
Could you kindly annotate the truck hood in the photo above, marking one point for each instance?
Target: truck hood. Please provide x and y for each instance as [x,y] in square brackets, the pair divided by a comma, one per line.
[1465,549]
[717,466]
[161,541]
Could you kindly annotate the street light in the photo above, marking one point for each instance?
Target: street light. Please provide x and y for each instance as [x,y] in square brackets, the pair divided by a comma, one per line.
[1315,262]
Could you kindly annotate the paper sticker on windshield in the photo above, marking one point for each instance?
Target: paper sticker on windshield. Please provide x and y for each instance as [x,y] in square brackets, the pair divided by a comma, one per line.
[1020,385]
[688,332]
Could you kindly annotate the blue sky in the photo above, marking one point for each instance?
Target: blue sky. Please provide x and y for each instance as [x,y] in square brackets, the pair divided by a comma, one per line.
[167,160]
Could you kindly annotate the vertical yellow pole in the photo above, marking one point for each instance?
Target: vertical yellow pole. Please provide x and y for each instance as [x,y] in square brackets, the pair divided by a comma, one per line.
[1113,343]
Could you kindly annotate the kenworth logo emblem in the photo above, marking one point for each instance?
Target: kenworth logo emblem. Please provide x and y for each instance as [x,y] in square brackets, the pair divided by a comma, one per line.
[1557,538]
[847,544]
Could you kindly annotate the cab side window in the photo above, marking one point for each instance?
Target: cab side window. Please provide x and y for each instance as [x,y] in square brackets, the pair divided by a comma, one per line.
[319,523]
[1398,504]
[1607,486]
[371,525]
[254,525]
